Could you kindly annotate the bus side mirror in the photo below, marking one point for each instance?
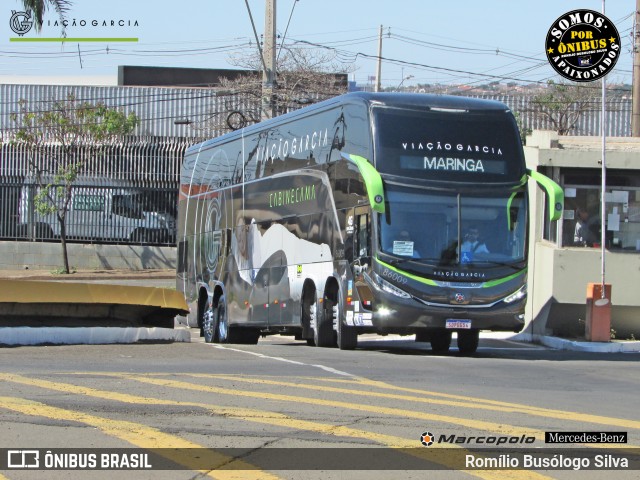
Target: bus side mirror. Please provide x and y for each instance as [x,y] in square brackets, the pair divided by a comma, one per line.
[555,194]
[372,180]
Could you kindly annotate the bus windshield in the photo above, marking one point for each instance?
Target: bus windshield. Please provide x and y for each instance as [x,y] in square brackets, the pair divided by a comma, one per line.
[449,229]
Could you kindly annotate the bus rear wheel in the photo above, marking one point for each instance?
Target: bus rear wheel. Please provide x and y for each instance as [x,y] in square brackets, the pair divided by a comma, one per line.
[323,326]
[221,323]
[232,334]
[209,326]
[468,341]
[308,312]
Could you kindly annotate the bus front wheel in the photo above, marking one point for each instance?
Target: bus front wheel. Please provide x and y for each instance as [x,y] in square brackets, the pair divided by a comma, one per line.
[441,341]
[347,336]
[468,341]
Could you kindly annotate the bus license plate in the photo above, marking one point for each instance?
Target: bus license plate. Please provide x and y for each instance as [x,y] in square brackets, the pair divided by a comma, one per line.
[458,324]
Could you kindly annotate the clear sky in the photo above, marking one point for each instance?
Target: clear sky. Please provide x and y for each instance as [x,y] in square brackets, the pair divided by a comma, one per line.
[425,41]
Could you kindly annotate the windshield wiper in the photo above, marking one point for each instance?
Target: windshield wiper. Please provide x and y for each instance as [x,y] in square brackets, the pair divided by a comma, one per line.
[504,264]
[400,261]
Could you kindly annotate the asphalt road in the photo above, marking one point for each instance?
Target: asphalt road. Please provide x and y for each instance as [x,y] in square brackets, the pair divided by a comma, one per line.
[324,408]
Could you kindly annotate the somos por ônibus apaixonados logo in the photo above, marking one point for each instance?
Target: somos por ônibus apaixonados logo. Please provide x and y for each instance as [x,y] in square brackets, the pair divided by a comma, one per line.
[583,45]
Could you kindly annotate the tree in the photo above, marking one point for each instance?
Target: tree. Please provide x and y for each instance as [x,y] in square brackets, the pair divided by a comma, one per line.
[64,139]
[524,131]
[304,76]
[563,104]
[38,7]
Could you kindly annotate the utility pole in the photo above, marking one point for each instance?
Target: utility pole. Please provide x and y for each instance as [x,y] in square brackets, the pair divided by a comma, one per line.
[379,70]
[269,72]
[635,108]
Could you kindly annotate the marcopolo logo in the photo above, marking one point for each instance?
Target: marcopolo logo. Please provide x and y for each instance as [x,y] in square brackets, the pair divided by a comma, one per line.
[20,22]
[583,45]
[427,439]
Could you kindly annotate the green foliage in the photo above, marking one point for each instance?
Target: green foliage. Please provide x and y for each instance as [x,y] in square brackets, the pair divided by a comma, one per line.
[81,129]
[61,271]
[66,138]
[523,131]
[564,103]
[38,7]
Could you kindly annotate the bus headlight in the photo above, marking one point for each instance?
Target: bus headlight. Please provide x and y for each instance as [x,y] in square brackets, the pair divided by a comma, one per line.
[517,295]
[389,288]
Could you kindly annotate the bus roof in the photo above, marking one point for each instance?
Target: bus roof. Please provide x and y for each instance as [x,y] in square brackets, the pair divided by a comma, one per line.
[389,99]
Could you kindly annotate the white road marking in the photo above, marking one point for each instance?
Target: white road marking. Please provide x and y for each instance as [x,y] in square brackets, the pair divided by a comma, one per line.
[286,360]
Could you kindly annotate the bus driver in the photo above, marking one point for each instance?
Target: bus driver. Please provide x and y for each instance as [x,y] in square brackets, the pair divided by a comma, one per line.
[472,242]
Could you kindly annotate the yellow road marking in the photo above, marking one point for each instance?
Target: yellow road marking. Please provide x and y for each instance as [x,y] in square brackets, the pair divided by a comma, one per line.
[141,436]
[396,412]
[464,402]
[444,457]
[500,429]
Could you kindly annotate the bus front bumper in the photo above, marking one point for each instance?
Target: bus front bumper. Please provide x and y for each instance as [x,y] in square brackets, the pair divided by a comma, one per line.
[407,316]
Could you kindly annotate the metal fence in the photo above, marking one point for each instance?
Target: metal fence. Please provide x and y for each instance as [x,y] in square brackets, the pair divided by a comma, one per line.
[96,214]
[128,197]
[618,115]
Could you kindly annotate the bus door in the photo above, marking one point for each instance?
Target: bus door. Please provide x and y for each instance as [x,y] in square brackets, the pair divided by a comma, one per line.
[361,255]
[361,241]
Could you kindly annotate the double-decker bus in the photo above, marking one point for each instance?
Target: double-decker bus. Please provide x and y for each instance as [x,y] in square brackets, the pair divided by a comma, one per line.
[367,213]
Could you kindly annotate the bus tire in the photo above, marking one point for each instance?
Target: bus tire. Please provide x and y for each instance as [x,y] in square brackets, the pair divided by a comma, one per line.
[468,341]
[232,334]
[441,341]
[209,325]
[323,327]
[423,336]
[308,312]
[222,322]
[347,336]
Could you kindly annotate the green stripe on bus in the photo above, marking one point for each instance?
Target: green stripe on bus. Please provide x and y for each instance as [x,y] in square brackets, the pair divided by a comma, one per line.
[412,277]
[426,281]
[498,281]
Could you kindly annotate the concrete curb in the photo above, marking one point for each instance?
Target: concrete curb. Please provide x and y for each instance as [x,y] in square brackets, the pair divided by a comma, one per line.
[89,335]
[579,346]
